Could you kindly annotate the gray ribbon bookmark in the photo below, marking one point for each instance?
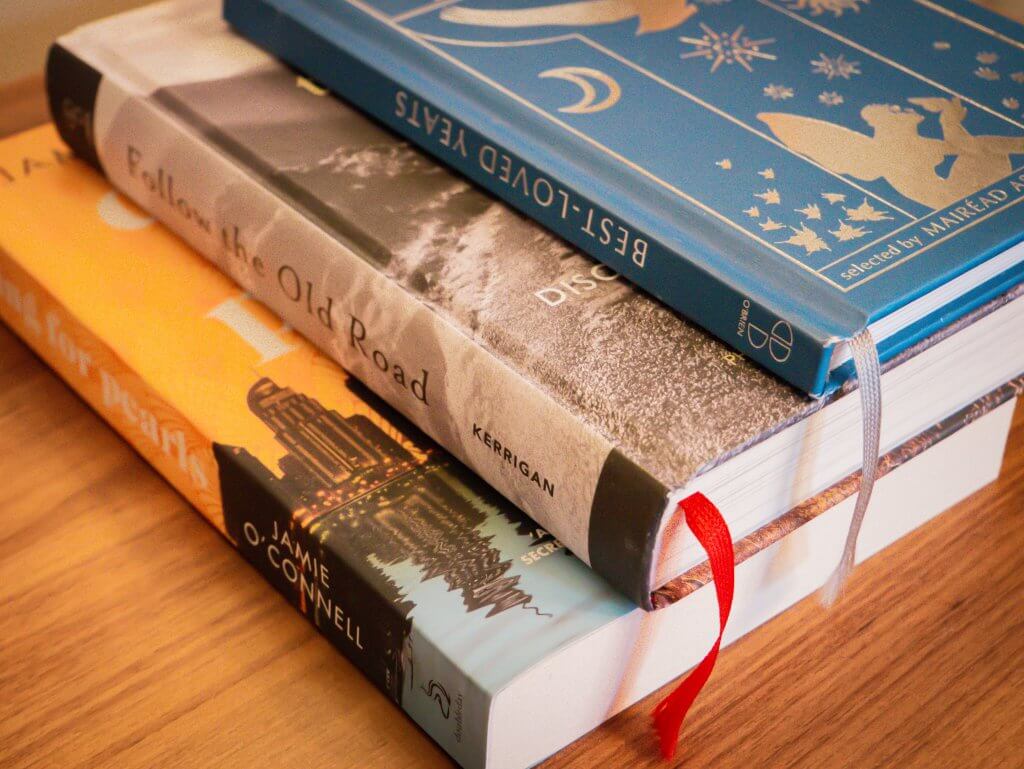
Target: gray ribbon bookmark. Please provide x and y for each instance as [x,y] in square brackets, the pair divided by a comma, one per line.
[869,377]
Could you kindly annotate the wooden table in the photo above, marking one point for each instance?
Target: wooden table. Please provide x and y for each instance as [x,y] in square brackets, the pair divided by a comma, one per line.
[132,635]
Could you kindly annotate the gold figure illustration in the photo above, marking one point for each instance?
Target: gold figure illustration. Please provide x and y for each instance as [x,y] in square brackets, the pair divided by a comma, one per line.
[582,76]
[897,153]
[652,15]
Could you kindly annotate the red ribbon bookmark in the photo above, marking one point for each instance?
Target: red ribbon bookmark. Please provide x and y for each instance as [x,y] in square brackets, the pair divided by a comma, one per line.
[711,531]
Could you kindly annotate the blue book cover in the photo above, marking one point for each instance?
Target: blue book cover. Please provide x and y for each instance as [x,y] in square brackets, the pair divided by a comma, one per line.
[785,173]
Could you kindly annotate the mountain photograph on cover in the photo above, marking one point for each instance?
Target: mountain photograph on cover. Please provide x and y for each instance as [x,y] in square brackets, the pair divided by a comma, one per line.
[660,388]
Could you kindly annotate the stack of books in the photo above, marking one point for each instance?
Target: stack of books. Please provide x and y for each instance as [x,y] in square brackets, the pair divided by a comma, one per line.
[770,261]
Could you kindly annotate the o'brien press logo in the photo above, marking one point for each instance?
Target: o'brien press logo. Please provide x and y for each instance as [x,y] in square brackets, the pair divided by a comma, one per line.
[779,338]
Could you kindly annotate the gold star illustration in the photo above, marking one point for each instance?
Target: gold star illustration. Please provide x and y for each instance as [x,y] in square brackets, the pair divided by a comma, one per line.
[771,196]
[778,92]
[835,66]
[753,212]
[810,211]
[849,232]
[987,57]
[941,45]
[986,73]
[768,225]
[1017,77]
[865,212]
[1011,102]
[768,173]
[725,165]
[727,48]
[830,98]
[834,197]
[807,239]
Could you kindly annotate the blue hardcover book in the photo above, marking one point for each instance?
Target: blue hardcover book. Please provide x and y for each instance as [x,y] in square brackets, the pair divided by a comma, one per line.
[786,173]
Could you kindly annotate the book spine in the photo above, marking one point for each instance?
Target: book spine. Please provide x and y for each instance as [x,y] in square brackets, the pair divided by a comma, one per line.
[230,489]
[766,334]
[71,89]
[537,454]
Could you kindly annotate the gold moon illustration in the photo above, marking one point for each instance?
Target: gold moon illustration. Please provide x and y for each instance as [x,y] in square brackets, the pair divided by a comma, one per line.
[583,77]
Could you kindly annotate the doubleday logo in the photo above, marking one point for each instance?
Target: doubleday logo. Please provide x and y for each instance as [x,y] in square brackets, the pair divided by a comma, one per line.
[779,338]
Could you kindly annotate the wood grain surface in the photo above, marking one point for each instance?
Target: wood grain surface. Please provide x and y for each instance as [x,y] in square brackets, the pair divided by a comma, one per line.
[132,635]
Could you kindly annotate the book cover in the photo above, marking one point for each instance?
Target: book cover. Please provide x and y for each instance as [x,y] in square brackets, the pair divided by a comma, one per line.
[808,167]
[579,398]
[424,578]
